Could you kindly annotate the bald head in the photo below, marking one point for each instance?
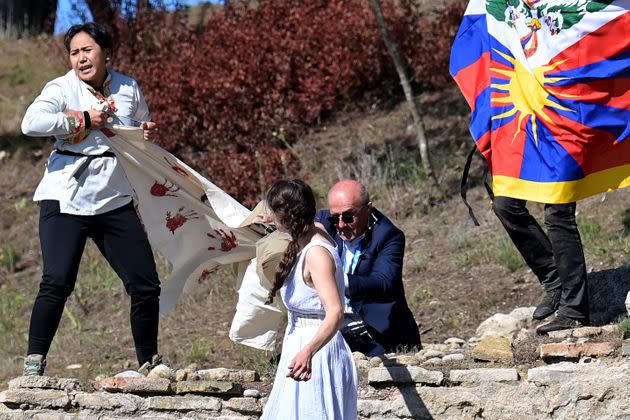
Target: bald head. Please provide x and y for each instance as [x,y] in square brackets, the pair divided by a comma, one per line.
[349,191]
[350,199]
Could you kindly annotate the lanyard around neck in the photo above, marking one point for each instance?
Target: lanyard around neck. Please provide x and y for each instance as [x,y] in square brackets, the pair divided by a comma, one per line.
[355,260]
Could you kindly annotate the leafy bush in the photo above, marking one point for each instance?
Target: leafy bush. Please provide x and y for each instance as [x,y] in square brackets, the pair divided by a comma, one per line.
[220,93]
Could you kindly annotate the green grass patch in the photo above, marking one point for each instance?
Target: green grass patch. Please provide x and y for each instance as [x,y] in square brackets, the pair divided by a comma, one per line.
[9,258]
[624,328]
[508,255]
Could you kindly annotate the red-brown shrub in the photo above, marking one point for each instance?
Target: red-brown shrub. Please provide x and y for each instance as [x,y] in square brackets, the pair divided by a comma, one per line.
[221,94]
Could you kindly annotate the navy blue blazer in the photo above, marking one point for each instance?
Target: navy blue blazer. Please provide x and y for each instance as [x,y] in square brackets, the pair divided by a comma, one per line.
[375,289]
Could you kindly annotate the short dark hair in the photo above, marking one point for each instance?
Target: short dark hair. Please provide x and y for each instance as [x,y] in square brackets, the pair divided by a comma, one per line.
[97,31]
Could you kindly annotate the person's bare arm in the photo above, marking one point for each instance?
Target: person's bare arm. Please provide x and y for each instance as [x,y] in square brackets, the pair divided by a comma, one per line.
[320,268]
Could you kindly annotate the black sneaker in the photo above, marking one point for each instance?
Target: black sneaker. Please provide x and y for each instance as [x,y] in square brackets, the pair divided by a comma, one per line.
[560,323]
[549,304]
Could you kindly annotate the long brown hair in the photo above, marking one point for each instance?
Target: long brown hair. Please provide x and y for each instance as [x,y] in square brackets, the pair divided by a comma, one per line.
[293,205]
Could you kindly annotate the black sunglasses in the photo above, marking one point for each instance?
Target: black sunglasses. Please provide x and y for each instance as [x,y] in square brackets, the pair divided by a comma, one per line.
[347,217]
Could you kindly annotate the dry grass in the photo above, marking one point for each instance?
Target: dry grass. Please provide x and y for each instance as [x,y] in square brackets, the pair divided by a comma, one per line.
[455,274]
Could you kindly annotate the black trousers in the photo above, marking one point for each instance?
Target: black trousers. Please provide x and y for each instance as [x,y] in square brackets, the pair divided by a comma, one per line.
[556,258]
[120,237]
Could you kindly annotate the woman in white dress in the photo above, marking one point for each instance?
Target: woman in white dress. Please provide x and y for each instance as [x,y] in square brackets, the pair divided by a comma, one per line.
[316,377]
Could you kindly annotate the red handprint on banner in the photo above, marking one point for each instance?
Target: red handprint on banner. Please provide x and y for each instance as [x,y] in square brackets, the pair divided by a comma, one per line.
[228,240]
[176,221]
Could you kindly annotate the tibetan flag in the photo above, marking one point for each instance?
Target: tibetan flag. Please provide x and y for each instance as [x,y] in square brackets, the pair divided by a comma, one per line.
[548,83]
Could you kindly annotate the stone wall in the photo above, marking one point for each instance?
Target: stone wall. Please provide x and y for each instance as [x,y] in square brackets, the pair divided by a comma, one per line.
[505,371]
[591,388]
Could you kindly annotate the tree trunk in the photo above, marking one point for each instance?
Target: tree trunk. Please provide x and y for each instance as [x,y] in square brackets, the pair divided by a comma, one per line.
[24,18]
[404,81]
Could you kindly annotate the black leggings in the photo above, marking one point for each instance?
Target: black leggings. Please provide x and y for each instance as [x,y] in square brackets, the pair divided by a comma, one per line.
[120,237]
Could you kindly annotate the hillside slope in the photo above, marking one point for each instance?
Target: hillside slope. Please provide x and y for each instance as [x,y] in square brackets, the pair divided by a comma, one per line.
[455,274]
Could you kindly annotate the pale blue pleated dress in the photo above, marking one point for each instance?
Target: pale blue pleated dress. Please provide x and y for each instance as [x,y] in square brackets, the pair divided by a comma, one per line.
[331,393]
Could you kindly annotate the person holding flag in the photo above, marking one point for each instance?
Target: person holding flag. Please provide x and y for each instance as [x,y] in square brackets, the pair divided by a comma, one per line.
[549,92]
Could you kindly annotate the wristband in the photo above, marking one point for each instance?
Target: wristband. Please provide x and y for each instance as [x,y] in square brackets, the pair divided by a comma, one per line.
[88,121]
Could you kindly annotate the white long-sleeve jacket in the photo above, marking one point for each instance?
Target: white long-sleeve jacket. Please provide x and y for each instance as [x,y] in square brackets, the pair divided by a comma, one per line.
[58,112]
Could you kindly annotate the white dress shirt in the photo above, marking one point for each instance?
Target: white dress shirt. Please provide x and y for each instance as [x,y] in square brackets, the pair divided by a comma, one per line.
[103,186]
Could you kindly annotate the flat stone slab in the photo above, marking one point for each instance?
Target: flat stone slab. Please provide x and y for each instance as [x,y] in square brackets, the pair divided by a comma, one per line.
[625,348]
[49,398]
[46,382]
[188,403]
[243,405]
[476,376]
[126,403]
[576,350]
[404,374]
[559,372]
[232,375]
[221,388]
[134,385]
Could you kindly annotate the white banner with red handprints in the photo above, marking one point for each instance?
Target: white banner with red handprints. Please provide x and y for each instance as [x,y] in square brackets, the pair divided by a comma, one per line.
[188,219]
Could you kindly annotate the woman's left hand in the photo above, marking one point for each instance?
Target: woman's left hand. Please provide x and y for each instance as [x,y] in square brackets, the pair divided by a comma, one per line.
[300,366]
[150,130]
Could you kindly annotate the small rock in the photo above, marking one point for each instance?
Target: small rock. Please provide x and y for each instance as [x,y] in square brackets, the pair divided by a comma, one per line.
[429,354]
[433,361]
[126,374]
[625,348]
[455,342]
[193,367]
[376,361]
[3,155]
[252,393]
[363,365]
[162,372]
[455,357]
[74,366]
[357,355]
[181,375]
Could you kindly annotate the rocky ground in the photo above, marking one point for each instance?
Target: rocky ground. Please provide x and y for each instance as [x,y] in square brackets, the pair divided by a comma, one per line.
[504,371]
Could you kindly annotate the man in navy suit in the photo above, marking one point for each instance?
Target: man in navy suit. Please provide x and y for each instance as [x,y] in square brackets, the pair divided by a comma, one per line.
[371,248]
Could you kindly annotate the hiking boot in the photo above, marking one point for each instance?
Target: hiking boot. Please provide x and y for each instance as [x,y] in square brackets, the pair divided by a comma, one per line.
[549,304]
[560,323]
[157,367]
[34,365]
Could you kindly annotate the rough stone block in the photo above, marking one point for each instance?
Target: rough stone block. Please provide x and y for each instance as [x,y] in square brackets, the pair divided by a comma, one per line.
[625,348]
[232,375]
[188,403]
[125,403]
[404,374]
[47,398]
[243,405]
[553,374]
[46,382]
[493,349]
[576,350]
[209,388]
[476,376]
[134,385]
